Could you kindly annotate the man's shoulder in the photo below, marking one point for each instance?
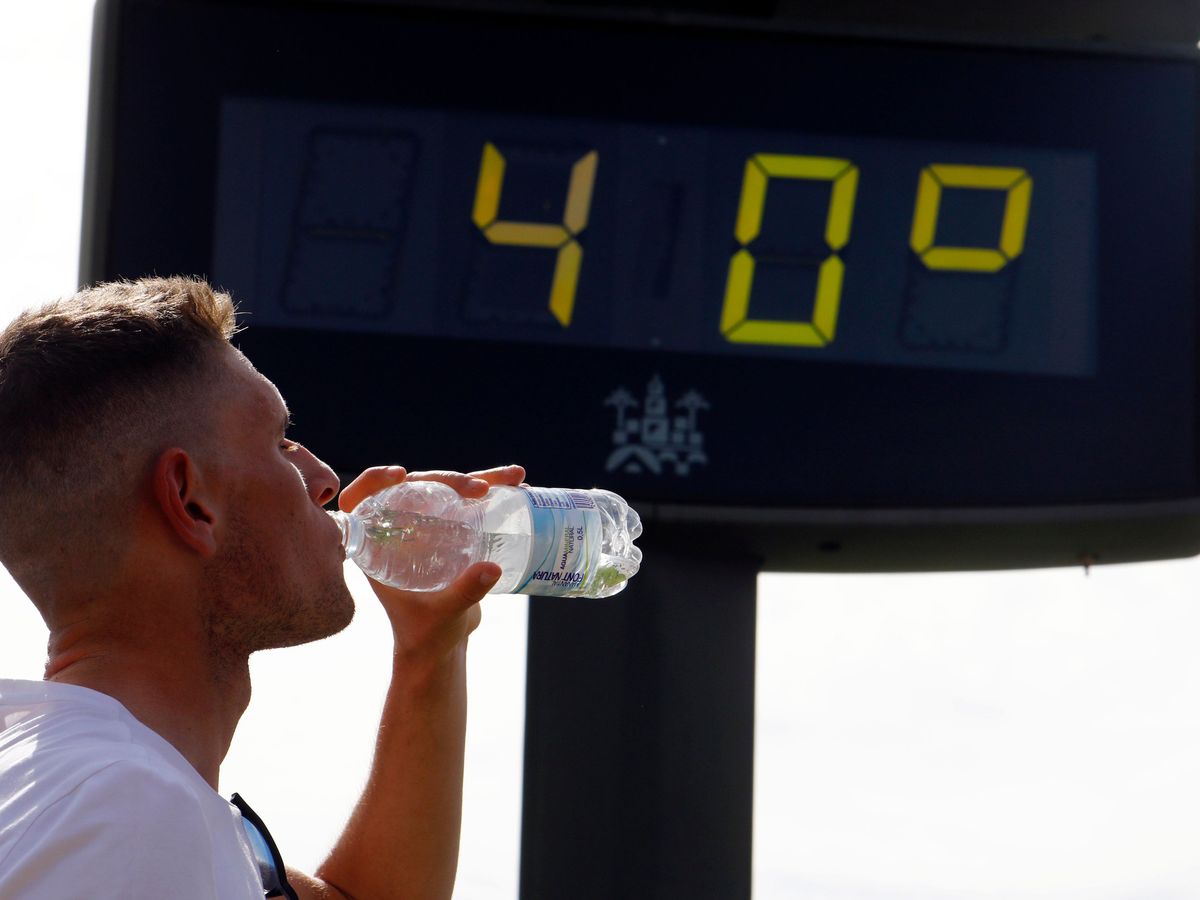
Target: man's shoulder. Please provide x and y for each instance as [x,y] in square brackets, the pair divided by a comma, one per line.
[86,791]
[54,737]
[67,768]
[119,793]
[48,708]
[126,829]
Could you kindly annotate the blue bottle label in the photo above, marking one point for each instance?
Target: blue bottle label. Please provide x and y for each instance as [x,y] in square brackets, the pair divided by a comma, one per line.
[566,542]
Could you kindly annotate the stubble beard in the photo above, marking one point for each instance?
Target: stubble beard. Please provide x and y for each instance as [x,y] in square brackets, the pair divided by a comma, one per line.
[253,606]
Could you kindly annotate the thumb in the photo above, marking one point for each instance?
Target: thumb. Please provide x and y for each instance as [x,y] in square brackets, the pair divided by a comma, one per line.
[473,584]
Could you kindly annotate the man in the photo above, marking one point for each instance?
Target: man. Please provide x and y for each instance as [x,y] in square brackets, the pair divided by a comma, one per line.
[154,510]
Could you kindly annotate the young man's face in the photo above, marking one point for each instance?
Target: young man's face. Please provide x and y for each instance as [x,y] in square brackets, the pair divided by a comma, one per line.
[277,574]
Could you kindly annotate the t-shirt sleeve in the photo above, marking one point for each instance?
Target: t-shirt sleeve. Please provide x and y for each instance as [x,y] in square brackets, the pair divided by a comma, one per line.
[128,830]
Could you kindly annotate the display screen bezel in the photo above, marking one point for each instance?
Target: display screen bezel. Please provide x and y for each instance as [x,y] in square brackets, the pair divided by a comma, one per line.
[780,436]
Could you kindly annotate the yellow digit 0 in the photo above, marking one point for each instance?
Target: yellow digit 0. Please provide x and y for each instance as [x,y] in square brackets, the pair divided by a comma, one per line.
[736,325]
[1018,187]
[540,234]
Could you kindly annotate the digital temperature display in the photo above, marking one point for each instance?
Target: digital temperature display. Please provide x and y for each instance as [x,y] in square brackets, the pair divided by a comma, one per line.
[667,238]
[822,300]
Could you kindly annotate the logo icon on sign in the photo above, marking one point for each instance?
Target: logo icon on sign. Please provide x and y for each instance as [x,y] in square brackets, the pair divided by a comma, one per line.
[655,440]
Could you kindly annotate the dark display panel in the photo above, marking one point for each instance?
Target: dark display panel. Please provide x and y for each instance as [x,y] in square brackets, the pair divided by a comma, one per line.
[713,269]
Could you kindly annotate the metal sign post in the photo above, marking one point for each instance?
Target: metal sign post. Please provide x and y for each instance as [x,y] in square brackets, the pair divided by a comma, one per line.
[639,735]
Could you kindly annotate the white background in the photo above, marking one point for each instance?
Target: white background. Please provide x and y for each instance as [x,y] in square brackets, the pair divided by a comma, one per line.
[993,735]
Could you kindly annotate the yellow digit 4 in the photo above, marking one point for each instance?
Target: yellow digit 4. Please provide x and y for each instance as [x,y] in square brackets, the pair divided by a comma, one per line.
[1019,189]
[540,234]
[760,168]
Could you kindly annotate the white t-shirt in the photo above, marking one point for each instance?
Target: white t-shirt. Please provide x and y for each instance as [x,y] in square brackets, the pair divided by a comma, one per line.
[94,804]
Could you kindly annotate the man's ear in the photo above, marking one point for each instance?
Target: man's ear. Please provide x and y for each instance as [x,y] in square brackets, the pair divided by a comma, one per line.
[183,501]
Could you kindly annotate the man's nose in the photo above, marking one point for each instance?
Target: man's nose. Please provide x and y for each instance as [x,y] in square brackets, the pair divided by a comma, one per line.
[322,481]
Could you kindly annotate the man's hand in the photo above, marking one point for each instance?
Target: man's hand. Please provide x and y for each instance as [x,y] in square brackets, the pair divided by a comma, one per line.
[430,626]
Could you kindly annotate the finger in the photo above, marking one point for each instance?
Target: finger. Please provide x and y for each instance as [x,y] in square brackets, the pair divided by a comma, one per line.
[466,485]
[506,475]
[472,585]
[473,484]
[369,482]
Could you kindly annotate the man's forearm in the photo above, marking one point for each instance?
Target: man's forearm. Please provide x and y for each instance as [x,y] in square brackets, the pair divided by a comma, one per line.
[402,838]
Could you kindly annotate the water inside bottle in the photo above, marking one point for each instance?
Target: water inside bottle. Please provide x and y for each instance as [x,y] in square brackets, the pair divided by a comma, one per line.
[511,553]
[434,551]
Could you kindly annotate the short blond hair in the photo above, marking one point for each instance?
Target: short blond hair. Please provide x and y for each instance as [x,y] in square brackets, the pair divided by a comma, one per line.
[89,385]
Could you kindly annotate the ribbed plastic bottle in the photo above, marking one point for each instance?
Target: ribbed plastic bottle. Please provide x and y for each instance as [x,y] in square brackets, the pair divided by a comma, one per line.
[420,535]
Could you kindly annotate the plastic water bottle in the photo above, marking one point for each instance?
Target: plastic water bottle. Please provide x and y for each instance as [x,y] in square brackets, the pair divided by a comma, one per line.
[420,535]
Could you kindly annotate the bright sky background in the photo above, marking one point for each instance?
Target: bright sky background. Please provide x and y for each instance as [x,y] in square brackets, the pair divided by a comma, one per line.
[990,736]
